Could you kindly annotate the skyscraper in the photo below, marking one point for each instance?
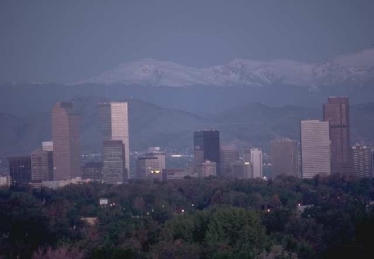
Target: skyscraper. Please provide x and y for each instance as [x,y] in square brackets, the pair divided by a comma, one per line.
[361,161]
[229,155]
[336,111]
[114,170]
[284,158]
[66,141]
[114,125]
[256,160]
[207,147]
[315,148]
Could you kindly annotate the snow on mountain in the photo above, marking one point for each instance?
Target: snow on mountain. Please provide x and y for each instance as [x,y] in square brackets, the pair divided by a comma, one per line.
[353,68]
[152,72]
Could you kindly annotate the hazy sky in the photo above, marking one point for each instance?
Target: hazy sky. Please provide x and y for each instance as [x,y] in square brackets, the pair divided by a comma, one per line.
[69,40]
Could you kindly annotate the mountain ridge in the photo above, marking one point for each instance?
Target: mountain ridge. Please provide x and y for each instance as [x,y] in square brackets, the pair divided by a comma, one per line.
[355,68]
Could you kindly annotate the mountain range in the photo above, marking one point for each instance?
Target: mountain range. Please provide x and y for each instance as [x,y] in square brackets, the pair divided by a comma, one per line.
[349,69]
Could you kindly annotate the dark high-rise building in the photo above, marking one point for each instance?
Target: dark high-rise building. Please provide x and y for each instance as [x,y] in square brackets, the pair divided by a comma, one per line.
[336,111]
[20,169]
[93,171]
[41,165]
[207,147]
[114,170]
[66,141]
[284,158]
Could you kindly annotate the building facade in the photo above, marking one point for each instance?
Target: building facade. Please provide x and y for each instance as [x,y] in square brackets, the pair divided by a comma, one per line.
[114,170]
[66,141]
[161,156]
[47,145]
[336,112]
[285,158]
[5,180]
[114,125]
[92,171]
[207,147]
[228,155]
[362,161]
[146,166]
[206,169]
[242,170]
[315,148]
[20,169]
[41,165]
[254,156]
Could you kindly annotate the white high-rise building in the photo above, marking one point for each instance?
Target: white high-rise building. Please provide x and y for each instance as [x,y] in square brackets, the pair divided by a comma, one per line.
[255,157]
[114,125]
[315,148]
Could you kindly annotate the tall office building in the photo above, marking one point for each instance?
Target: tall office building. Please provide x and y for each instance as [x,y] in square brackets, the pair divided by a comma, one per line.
[114,170]
[336,111]
[256,160]
[229,155]
[114,125]
[20,169]
[145,166]
[207,147]
[66,141]
[315,148]
[284,158]
[41,165]
[361,161]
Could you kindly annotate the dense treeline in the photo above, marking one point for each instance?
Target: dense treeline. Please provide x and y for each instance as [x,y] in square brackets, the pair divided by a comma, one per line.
[191,218]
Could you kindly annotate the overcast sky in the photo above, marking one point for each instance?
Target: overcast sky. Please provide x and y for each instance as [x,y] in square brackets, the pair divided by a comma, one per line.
[69,40]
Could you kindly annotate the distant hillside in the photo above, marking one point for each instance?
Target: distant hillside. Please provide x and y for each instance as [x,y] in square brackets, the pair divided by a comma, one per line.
[258,124]
[247,125]
[150,125]
[23,99]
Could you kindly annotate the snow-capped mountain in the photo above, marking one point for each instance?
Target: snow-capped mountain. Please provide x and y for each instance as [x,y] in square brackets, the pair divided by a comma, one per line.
[355,68]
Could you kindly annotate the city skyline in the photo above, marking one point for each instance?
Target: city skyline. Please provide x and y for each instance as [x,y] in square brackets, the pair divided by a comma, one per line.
[207,147]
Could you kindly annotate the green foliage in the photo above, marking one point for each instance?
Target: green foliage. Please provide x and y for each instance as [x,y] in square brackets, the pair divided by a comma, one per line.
[190,218]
